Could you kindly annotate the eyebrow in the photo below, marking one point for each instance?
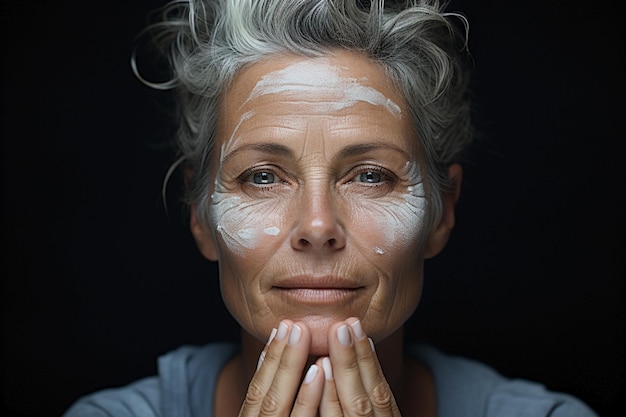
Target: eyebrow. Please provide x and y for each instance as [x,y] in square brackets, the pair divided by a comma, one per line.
[268,148]
[363,148]
[345,153]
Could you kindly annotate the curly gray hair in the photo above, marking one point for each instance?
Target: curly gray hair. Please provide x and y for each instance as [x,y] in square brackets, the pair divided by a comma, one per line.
[417,44]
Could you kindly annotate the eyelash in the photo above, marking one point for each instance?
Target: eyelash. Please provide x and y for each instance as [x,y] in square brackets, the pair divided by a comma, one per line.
[247,177]
[387,177]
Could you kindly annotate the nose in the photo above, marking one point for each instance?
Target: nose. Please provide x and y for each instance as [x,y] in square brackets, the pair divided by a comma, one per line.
[318,228]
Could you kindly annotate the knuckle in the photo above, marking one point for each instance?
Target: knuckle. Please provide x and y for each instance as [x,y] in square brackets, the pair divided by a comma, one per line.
[381,396]
[351,367]
[255,394]
[270,406]
[272,357]
[362,407]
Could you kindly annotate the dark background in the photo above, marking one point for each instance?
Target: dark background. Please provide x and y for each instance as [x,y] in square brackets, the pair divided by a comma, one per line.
[97,280]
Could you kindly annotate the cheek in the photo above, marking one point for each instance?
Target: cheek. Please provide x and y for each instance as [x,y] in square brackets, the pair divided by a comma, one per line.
[392,224]
[246,226]
[393,230]
[249,233]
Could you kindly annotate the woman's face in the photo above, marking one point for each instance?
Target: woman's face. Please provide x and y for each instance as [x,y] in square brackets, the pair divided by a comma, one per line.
[318,211]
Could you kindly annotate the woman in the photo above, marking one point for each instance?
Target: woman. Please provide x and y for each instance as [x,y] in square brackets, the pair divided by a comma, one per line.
[320,142]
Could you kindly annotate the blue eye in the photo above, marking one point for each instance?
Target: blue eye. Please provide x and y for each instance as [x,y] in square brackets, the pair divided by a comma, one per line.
[263,178]
[370,177]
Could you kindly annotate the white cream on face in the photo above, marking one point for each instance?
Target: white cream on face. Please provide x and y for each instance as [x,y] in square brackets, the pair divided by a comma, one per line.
[240,223]
[320,78]
[271,231]
[323,141]
[318,85]
[399,219]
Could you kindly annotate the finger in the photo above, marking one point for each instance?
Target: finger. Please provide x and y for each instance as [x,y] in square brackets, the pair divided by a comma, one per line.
[266,347]
[329,406]
[281,394]
[266,369]
[374,381]
[351,393]
[308,400]
[352,348]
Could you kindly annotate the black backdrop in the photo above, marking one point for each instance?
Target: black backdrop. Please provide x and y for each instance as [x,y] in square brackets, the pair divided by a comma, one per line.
[97,280]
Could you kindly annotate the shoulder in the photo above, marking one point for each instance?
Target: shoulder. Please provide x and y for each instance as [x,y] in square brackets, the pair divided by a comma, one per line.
[140,398]
[468,388]
[185,376]
[528,399]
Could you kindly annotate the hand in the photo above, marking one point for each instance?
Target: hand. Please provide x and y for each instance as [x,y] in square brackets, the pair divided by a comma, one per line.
[273,389]
[349,382]
[354,381]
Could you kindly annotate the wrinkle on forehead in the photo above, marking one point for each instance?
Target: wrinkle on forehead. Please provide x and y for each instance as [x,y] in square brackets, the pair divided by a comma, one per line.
[309,79]
[314,143]
[227,146]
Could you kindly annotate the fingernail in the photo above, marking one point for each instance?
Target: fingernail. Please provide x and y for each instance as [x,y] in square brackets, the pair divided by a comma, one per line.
[261,359]
[358,330]
[310,375]
[272,335]
[328,369]
[343,334]
[282,331]
[294,336]
[372,344]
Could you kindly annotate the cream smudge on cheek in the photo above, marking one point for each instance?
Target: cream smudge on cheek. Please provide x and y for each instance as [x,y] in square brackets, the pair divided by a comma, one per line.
[272,231]
[399,220]
[242,224]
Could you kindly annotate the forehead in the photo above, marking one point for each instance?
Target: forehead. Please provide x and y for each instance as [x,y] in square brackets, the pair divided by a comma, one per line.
[342,91]
[343,73]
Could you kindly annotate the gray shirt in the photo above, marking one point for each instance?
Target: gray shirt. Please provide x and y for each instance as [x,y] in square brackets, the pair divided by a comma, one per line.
[187,378]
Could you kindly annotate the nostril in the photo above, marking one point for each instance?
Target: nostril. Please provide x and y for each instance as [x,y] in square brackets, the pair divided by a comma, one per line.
[326,237]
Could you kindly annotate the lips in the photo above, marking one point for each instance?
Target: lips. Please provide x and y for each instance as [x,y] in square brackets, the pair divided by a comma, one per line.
[318,283]
[321,290]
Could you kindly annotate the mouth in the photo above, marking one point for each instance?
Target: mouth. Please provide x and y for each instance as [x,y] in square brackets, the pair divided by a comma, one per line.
[318,290]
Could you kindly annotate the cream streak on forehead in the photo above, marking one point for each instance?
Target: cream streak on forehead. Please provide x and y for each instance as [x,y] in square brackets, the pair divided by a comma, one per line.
[319,78]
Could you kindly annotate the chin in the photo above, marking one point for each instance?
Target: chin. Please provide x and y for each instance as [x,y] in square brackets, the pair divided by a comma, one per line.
[319,327]
[319,344]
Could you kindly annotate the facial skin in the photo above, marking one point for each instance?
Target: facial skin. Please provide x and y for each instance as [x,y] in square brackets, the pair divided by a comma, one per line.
[318,210]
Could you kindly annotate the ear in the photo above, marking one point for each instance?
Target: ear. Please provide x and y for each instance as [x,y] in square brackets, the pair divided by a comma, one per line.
[440,232]
[203,237]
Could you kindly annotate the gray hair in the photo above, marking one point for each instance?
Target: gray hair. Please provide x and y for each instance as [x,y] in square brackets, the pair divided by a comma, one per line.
[422,52]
